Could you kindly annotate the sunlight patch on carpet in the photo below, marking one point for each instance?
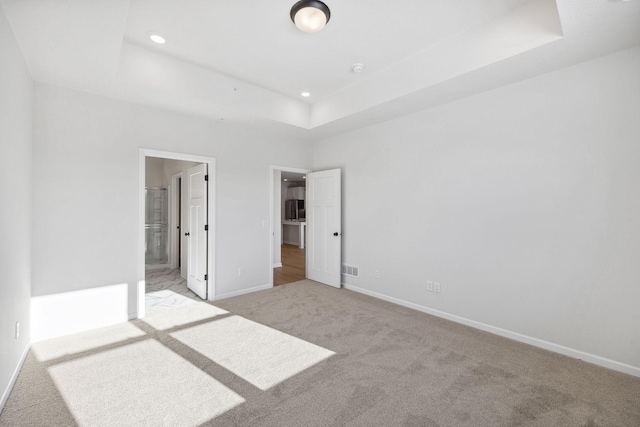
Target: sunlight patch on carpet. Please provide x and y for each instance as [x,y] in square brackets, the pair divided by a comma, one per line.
[178,316]
[140,384]
[259,354]
[84,341]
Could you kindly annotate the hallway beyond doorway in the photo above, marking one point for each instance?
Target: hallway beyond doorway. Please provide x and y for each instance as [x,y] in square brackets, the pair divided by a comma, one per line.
[293,266]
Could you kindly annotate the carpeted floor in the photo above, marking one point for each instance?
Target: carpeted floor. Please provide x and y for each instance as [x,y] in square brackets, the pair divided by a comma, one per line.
[306,354]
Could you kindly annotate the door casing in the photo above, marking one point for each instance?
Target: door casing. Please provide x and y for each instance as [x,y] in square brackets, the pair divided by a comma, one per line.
[271,208]
[211,254]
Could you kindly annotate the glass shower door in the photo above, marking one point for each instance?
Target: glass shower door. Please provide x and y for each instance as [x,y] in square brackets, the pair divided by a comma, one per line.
[156,226]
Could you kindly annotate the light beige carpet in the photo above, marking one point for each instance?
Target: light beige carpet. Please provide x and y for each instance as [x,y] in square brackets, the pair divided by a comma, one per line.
[305,354]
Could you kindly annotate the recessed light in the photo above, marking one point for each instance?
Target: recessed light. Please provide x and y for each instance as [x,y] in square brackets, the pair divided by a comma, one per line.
[157,38]
[306,94]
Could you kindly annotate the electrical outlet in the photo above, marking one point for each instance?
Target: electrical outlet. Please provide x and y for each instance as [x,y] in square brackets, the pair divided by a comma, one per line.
[436,287]
[240,271]
[429,285]
[17,330]
[376,274]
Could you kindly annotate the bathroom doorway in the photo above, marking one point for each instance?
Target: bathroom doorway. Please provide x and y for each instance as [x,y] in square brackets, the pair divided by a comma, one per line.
[178,269]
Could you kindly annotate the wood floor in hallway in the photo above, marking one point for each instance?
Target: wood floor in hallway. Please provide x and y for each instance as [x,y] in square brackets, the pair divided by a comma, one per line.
[293,266]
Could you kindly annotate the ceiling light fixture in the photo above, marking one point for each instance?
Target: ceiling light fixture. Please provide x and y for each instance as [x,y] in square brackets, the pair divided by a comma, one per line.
[310,16]
[305,94]
[157,38]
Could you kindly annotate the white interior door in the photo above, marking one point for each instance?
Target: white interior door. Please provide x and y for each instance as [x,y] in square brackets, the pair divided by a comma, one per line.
[197,231]
[324,227]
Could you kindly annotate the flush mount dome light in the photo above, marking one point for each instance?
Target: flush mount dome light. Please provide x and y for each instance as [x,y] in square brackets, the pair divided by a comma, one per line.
[157,38]
[310,16]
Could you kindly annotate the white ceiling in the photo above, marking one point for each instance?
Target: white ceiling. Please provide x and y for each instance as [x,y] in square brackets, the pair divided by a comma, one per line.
[293,176]
[246,63]
[257,42]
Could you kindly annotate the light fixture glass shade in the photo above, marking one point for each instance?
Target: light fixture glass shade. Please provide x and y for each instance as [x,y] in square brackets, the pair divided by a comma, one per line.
[310,16]
[157,38]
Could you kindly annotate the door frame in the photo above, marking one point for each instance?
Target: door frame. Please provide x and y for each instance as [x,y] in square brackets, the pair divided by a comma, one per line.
[211,193]
[174,211]
[272,169]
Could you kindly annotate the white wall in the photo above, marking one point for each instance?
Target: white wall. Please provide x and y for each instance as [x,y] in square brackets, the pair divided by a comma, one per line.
[154,173]
[523,202]
[277,218]
[86,151]
[170,167]
[16,94]
[158,171]
[283,197]
[290,234]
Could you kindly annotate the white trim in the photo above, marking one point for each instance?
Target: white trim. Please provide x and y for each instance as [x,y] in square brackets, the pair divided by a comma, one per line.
[277,265]
[273,168]
[211,249]
[14,377]
[556,348]
[244,291]
[142,180]
[174,210]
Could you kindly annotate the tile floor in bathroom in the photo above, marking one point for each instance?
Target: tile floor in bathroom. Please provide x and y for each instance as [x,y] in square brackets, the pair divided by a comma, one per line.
[166,289]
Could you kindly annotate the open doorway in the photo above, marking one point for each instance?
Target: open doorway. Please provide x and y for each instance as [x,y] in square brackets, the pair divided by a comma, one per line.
[177,230]
[288,225]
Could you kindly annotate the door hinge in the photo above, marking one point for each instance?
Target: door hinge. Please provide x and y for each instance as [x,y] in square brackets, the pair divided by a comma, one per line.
[206,228]
[206,177]
[206,276]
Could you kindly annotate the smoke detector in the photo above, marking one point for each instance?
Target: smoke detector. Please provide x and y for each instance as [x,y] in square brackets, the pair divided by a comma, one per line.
[357,68]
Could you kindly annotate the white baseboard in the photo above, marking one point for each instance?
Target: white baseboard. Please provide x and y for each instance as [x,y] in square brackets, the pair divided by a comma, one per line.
[242,292]
[277,264]
[14,377]
[556,348]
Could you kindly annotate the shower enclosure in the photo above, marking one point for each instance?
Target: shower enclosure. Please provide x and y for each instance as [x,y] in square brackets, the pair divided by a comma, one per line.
[156,226]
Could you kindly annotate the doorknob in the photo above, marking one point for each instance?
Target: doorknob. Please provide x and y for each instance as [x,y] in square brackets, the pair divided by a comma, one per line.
[186,234]
[336,234]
